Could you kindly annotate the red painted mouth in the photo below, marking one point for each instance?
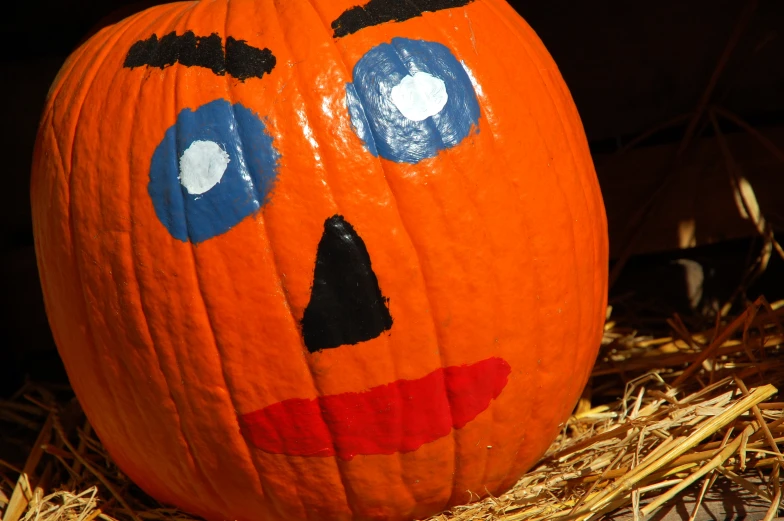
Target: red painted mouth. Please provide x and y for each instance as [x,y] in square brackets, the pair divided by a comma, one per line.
[397,417]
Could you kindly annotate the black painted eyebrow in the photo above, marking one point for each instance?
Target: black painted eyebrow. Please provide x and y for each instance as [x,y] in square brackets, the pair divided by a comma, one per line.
[377,12]
[238,59]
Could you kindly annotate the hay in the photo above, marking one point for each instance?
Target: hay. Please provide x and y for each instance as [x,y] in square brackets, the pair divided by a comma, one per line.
[660,416]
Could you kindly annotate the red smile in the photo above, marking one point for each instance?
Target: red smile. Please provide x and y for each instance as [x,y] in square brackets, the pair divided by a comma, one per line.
[397,417]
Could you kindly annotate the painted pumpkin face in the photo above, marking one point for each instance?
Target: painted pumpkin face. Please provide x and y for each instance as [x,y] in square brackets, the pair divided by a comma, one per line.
[311,260]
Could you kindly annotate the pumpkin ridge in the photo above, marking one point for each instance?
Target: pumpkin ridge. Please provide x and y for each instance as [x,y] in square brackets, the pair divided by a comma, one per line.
[490,131]
[218,349]
[175,12]
[185,16]
[287,300]
[298,90]
[533,58]
[380,162]
[95,68]
[456,167]
[261,217]
[428,298]
[490,136]
[426,291]
[515,34]
[571,154]
[348,71]
[177,415]
[90,337]
[84,90]
[591,199]
[317,132]
[170,394]
[273,500]
[179,15]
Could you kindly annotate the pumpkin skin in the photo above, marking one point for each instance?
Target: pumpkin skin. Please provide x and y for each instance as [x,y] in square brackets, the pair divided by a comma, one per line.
[179,310]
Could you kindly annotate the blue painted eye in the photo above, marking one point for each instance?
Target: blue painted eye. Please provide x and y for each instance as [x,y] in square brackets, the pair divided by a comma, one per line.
[410,99]
[214,167]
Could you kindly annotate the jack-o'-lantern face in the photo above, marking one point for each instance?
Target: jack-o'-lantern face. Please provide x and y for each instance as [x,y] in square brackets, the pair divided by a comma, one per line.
[219,164]
[331,241]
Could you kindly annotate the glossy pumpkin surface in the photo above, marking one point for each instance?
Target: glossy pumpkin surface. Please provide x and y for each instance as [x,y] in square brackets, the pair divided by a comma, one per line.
[309,260]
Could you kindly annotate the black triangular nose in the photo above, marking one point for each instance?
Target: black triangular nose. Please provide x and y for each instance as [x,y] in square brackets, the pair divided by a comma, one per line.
[346,305]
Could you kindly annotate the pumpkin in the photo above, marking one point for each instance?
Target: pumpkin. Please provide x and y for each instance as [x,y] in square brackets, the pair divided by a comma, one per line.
[306,259]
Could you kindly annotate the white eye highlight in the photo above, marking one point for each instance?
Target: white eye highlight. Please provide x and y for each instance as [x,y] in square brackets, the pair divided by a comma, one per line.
[419,96]
[202,166]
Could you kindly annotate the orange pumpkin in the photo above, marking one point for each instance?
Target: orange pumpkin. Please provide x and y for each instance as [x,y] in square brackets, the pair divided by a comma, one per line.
[309,260]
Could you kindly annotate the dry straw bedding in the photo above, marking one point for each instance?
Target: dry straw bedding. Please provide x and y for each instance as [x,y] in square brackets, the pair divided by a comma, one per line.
[660,416]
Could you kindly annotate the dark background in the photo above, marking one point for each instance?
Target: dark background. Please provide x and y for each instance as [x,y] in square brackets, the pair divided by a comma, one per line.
[631,65]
